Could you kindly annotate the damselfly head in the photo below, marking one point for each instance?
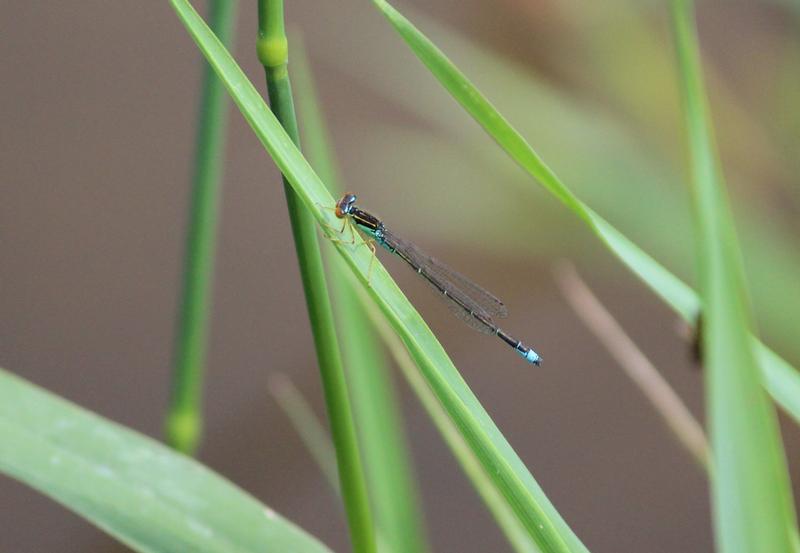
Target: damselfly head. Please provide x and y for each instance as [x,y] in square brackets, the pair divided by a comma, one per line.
[344,205]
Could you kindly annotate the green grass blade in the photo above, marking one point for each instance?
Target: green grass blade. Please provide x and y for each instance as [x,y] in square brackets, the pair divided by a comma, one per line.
[671,289]
[392,486]
[750,488]
[498,459]
[517,536]
[480,108]
[272,48]
[137,490]
[599,154]
[183,425]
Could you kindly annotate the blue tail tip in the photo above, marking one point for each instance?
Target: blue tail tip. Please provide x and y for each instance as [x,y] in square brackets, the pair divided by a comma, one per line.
[531,357]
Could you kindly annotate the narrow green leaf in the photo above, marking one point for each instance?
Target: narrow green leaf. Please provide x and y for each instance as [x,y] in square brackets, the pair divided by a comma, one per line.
[750,488]
[137,490]
[497,457]
[600,154]
[671,289]
[514,531]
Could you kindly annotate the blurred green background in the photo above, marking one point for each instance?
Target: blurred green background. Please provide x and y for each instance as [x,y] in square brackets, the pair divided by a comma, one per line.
[98,107]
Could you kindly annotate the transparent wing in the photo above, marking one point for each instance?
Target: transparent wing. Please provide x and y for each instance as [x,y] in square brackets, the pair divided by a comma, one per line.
[465,299]
[488,301]
[467,317]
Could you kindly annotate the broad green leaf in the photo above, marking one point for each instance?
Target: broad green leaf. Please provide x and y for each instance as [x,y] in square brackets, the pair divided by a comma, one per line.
[498,459]
[144,494]
[750,488]
[671,289]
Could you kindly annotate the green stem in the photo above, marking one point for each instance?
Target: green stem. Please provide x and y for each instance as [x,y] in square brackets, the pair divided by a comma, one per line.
[183,425]
[273,53]
[392,486]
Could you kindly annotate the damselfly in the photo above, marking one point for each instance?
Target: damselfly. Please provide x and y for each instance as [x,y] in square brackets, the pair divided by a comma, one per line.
[468,301]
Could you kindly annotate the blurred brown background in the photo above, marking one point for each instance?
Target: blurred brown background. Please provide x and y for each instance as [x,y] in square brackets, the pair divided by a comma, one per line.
[98,108]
